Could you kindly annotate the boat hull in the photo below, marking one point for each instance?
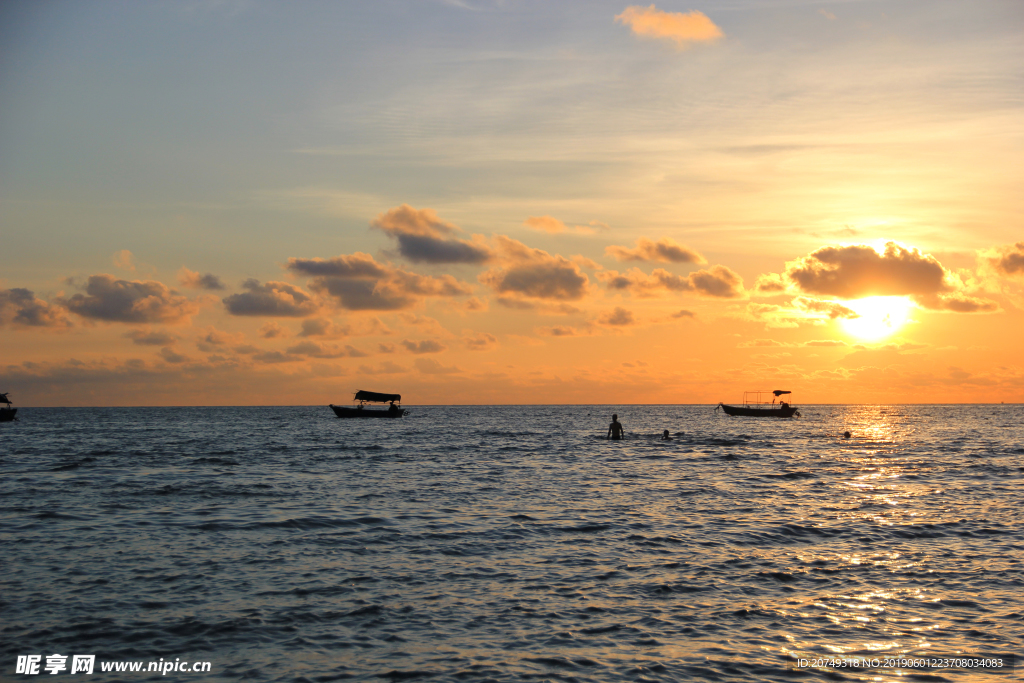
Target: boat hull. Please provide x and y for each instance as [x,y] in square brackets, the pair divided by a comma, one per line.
[744,411]
[7,414]
[341,411]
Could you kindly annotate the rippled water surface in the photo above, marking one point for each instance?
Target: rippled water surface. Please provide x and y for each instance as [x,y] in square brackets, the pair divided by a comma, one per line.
[512,543]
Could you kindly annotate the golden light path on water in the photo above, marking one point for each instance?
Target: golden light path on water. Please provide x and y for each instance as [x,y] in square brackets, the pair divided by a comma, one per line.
[883,496]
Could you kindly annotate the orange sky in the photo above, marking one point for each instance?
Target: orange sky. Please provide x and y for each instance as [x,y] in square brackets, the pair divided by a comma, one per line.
[502,203]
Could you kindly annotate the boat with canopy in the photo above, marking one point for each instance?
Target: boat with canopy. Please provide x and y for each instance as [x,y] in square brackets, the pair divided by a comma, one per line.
[755,404]
[363,398]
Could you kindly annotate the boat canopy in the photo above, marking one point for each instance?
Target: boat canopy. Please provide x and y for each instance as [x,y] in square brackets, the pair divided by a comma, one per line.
[780,392]
[375,397]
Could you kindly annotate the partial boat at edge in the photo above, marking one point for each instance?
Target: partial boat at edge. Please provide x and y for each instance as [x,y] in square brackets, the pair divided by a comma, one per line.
[7,414]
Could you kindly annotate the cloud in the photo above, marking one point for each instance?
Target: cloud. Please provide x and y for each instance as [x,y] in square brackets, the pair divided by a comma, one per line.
[319,350]
[481,341]
[956,302]
[560,331]
[552,225]
[274,299]
[664,250]
[545,224]
[323,327]
[760,343]
[385,368]
[193,280]
[423,237]
[770,284]
[357,266]
[854,272]
[425,346]
[539,307]
[683,28]
[429,366]
[620,317]
[214,338]
[358,282]
[534,273]
[683,313]
[21,308]
[131,301]
[272,330]
[151,338]
[272,357]
[775,316]
[1007,260]
[825,342]
[718,281]
[832,309]
[124,260]
[172,356]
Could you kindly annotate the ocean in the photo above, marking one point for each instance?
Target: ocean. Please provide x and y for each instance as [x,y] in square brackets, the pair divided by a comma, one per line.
[513,543]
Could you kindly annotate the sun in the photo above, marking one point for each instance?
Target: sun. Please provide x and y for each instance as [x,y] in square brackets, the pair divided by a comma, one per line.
[880,316]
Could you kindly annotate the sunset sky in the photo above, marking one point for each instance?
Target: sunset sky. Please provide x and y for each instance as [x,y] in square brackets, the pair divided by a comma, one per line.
[500,201]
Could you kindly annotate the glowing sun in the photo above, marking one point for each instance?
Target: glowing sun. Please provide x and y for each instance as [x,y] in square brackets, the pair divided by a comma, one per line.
[880,316]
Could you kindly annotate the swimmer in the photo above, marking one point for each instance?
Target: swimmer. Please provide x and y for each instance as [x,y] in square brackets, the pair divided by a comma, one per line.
[665,436]
[615,429]
[846,435]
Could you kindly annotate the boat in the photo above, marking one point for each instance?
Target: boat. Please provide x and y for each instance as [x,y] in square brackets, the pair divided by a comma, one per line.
[362,398]
[7,414]
[755,404]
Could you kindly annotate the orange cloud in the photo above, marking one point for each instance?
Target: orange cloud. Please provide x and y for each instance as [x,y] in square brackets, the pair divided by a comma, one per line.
[956,303]
[859,271]
[274,299]
[21,308]
[534,273]
[425,346]
[770,284]
[683,28]
[620,317]
[423,237]
[545,224]
[151,338]
[481,341]
[664,250]
[552,225]
[193,280]
[131,301]
[1007,260]
[358,282]
[718,281]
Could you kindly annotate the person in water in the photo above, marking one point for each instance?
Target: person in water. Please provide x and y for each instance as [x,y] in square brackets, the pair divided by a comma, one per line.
[665,436]
[615,430]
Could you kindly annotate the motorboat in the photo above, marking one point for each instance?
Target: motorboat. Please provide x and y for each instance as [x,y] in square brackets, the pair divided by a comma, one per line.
[755,404]
[362,399]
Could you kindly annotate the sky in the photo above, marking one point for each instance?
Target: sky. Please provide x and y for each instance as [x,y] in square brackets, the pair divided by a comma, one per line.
[239,202]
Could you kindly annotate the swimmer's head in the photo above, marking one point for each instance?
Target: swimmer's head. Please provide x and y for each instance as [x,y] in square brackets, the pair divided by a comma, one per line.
[846,435]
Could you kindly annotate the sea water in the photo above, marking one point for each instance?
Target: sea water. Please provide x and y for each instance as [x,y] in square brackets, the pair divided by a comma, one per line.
[508,543]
